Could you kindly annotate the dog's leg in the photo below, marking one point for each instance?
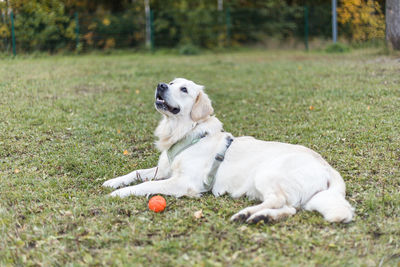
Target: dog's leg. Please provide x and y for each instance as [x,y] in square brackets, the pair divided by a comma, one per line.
[267,185]
[247,212]
[271,214]
[332,205]
[138,175]
[173,187]
[273,201]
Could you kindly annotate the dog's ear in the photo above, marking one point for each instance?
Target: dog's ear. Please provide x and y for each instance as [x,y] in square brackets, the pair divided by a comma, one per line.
[202,107]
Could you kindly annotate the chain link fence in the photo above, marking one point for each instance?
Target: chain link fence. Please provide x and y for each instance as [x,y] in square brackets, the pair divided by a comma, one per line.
[203,28]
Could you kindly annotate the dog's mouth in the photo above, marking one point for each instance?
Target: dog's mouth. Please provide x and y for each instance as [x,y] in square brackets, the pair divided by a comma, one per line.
[162,104]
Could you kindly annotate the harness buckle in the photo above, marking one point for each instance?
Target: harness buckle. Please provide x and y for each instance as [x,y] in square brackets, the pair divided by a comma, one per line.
[219,157]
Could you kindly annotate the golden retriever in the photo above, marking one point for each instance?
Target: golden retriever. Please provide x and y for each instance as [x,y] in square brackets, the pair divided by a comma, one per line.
[198,156]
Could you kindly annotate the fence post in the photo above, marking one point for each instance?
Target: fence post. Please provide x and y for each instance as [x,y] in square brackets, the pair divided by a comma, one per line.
[13,34]
[334,22]
[148,26]
[228,26]
[77,30]
[151,30]
[306,27]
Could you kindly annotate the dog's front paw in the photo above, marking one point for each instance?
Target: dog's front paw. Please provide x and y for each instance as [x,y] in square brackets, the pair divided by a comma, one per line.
[112,183]
[116,182]
[124,192]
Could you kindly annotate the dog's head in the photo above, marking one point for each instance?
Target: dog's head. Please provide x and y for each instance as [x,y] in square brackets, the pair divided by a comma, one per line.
[182,97]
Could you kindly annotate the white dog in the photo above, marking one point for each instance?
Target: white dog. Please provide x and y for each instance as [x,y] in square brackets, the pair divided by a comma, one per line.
[198,156]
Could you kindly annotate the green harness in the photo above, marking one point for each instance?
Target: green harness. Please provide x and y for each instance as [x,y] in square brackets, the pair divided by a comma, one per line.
[181,145]
[189,141]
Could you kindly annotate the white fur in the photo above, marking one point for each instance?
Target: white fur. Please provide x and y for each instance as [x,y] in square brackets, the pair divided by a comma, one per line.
[283,177]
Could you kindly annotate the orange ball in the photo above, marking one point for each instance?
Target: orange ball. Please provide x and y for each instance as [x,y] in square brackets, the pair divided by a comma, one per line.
[157,203]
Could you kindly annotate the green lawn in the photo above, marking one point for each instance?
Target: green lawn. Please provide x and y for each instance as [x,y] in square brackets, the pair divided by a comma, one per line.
[65,122]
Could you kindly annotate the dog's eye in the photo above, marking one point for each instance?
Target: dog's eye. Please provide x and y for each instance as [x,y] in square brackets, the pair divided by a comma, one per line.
[183,89]
[171,83]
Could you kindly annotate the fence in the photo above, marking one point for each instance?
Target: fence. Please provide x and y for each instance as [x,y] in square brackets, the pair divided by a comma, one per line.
[170,28]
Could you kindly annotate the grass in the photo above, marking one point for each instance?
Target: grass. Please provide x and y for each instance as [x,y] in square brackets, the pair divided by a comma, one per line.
[65,122]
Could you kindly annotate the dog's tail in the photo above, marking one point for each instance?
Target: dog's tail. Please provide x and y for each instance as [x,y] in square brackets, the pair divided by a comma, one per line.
[331,203]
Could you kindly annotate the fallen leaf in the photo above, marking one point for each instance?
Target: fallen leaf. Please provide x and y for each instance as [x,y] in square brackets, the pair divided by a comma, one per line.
[198,214]
[68,213]
[243,228]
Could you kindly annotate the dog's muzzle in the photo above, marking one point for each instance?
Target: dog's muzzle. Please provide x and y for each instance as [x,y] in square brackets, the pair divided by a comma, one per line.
[161,103]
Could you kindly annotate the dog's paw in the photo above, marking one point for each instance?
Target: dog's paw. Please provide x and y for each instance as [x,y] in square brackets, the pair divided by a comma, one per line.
[112,183]
[258,218]
[240,216]
[124,192]
[115,183]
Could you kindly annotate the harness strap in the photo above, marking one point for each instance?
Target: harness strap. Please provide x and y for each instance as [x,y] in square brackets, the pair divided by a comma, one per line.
[181,145]
[219,158]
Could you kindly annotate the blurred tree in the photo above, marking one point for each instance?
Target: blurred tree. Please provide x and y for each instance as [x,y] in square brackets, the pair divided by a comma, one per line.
[50,24]
[41,24]
[90,6]
[364,19]
[393,23]
[4,25]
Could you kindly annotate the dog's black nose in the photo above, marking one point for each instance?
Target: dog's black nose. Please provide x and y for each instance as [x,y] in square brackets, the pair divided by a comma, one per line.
[162,87]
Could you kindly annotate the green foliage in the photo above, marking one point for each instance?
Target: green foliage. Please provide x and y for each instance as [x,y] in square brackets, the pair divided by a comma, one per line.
[105,30]
[211,28]
[43,25]
[337,48]
[278,20]
[201,27]
[49,25]
[189,49]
